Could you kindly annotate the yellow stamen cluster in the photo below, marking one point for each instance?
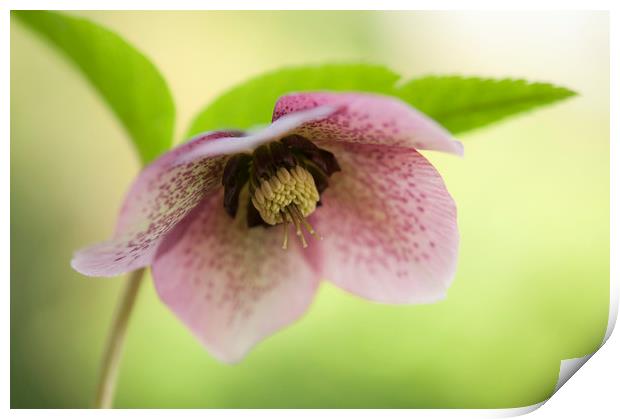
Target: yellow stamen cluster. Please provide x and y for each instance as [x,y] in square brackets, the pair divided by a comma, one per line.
[295,186]
[288,197]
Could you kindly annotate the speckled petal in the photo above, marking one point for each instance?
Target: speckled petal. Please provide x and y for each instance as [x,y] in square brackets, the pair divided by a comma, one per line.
[231,286]
[164,192]
[278,129]
[389,226]
[368,119]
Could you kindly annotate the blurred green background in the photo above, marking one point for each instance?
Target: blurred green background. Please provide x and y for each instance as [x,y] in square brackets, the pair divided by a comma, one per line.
[532,286]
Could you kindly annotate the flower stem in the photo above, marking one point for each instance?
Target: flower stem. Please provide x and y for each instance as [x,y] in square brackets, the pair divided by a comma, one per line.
[114,347]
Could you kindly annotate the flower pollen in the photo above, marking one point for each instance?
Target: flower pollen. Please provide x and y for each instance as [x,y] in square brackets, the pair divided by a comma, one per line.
[287,197]
[293,188]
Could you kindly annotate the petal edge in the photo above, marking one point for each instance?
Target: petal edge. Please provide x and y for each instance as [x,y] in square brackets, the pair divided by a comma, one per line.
[369,119]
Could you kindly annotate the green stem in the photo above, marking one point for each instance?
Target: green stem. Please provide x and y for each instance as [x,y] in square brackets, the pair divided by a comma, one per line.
[113,351]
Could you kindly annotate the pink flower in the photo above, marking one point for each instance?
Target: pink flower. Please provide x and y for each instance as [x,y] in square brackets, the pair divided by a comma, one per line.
[343,165]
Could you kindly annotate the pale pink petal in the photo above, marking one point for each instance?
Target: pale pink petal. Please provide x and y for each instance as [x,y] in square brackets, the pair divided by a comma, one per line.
[368,119]
[164,192]
[389,225]
[232,286]
[272,132]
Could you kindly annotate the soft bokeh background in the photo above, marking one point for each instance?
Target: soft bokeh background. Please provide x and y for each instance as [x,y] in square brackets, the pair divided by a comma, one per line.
[532,193]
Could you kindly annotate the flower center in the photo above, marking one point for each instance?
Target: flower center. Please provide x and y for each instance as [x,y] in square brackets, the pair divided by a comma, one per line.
[275,197]
[285,180]
[287,197]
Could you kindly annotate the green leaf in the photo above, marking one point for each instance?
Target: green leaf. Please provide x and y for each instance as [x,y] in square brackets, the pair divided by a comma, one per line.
[464,103]
[251,102]
[130,84]
[458,103]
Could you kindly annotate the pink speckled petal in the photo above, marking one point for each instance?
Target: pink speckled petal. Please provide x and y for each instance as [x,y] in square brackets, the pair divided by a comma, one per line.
[389,225]
[278,129]
[368,119]
[164,192]
[232,286]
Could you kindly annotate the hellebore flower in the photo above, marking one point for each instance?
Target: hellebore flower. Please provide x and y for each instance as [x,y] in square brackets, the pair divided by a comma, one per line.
[336,180]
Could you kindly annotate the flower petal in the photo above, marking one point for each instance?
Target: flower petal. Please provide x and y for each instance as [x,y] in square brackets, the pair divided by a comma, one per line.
[272,132]
[368,119]
[232,286]
[389,225]
[164,192]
